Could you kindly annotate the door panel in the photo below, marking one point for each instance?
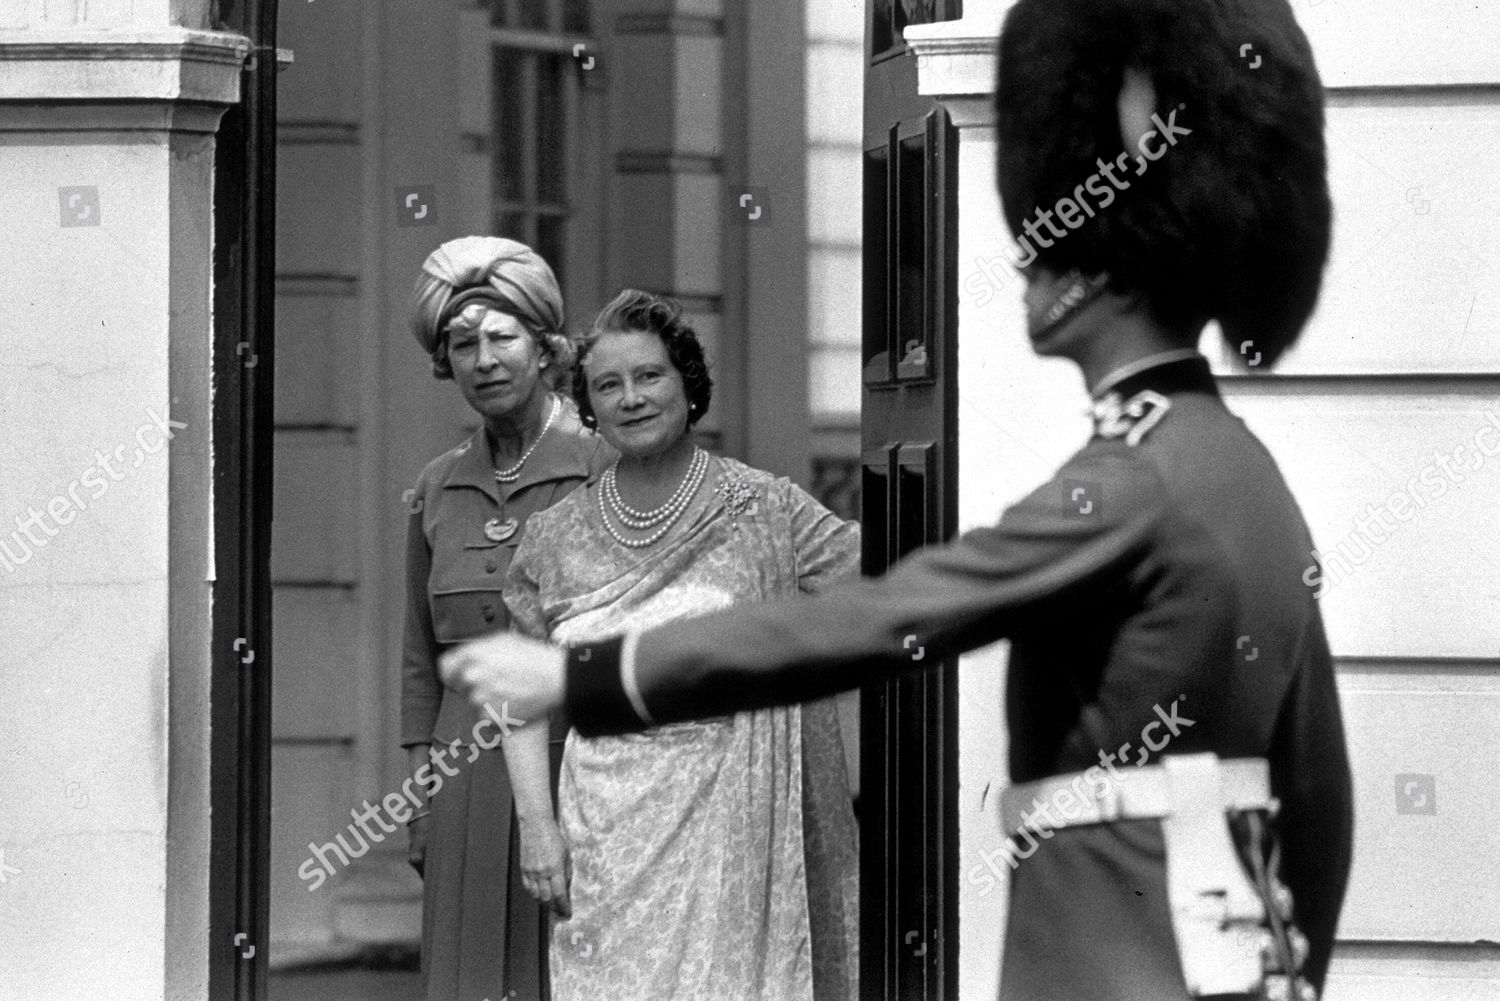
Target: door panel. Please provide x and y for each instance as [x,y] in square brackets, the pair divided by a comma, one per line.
[909,940]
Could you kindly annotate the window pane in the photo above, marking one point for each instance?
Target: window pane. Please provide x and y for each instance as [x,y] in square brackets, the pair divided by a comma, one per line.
[510,126]
[576,16]
[551,129]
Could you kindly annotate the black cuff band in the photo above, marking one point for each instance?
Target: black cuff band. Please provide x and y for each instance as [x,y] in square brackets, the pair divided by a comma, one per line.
[596,698]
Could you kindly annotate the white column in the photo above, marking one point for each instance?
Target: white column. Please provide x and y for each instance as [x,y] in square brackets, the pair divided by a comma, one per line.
[107,115]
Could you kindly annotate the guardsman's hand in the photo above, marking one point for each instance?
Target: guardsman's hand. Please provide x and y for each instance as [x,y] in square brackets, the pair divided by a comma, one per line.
[524,677]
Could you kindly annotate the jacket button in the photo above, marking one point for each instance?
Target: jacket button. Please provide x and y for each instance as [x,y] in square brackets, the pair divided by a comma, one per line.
[491,567]
[488,611]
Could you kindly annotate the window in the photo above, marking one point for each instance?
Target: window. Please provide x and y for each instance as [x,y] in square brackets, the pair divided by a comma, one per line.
[540,49]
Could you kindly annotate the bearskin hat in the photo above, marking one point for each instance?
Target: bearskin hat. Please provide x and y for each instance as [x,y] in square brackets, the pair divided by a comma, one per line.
[1231,220]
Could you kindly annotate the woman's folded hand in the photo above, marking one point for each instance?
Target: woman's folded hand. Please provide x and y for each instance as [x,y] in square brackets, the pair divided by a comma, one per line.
[545,868]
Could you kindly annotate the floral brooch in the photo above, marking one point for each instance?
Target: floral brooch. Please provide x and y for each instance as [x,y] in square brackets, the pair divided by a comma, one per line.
[738,496]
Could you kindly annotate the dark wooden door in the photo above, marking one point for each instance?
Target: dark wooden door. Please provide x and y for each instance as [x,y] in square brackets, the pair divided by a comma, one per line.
[244,359]
[909,726]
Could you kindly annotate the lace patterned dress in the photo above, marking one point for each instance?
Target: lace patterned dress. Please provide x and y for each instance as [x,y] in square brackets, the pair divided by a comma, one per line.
[716,860]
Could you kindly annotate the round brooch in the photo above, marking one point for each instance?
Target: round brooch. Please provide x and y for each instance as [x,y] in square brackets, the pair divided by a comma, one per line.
[498,531]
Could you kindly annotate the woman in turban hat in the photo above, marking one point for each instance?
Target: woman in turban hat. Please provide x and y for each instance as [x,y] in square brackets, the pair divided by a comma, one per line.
[488,313]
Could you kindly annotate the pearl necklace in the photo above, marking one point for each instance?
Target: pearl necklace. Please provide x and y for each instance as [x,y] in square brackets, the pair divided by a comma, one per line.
[514,472]
[641,520]
[667,514]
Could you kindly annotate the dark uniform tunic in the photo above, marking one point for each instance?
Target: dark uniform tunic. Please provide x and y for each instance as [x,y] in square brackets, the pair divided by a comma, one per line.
[1158,576]
[483,935]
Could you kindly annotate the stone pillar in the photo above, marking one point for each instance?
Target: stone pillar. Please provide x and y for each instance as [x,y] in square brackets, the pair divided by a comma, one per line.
[1019,418]
[107,116]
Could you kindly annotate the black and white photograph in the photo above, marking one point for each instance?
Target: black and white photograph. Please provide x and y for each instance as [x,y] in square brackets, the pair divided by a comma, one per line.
[749,500]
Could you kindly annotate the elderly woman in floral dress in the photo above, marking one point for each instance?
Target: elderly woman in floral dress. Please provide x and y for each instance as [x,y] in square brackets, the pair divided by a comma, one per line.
[712,861]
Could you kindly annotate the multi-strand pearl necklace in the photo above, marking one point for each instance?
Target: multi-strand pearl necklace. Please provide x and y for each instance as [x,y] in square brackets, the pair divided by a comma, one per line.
[665,516]
[513,473]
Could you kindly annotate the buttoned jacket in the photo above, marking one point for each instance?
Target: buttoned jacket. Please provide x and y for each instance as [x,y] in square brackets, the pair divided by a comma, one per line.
[457,556]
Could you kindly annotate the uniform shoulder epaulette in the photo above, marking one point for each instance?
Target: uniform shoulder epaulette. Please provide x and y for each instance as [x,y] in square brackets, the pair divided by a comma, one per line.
[1130,419]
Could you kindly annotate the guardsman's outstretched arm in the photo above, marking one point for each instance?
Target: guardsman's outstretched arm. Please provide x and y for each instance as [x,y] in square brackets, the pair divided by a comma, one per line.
[938,602]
